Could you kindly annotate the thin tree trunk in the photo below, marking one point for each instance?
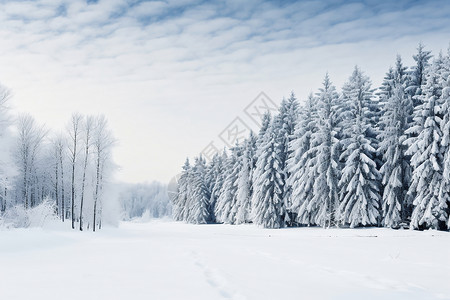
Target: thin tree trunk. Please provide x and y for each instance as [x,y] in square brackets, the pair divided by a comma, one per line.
[83,184]
[56,185]
[25,186]
[63,211]
[73,182]
[96,191]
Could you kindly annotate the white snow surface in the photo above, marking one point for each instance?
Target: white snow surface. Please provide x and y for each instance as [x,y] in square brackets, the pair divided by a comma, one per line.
[170,260]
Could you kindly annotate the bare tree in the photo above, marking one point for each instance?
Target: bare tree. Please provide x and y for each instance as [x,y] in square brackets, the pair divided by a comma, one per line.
[88,126]
[30,139]
[5,120]
[102,143]
[75,127]
[59,146]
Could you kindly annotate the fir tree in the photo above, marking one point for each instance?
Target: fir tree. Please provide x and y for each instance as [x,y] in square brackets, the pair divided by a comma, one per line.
[214,180]
[395,170]
[360,178]
[418,73]
[427,154]
[245,189]
[301,162]
[180,200]
[284,125]
[445,185]
[324,203]
[224,210]
[199,212]
[268,185]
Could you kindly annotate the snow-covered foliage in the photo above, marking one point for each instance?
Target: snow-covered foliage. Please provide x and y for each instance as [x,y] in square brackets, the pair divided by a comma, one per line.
[359,157]
[226,209]
[359,183]
[428,150]
[38,216]
[324,203]
[300,162]
[396,171]
[268,208]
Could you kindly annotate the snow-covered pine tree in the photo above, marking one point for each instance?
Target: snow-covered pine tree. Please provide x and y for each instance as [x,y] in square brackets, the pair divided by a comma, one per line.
[285,123]
[417,74]
[444,198]
[359,183]
[395,171]
[245,189]
[268,186]
[199,212]
[324,204]
[214,180]
[180,200]
[427,153]
[228,194]
[266,120]
[300,162]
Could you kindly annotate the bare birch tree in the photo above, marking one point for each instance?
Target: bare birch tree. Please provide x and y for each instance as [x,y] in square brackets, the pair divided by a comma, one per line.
[88,126]
[102,143]
[30,139]
[75,128]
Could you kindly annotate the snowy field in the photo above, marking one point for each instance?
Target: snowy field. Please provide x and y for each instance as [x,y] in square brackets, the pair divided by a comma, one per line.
[168,260]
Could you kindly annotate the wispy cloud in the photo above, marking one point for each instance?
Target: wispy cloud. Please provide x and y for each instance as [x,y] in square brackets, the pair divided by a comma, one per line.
[193,63]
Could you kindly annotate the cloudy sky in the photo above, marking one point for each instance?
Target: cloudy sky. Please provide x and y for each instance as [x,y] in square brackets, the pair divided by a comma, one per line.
[171,75]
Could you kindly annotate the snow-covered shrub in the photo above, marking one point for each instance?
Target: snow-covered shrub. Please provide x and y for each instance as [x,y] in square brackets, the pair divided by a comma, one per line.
[38,216]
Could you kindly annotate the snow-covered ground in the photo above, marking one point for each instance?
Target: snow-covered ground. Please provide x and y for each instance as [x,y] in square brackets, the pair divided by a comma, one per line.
[168,260]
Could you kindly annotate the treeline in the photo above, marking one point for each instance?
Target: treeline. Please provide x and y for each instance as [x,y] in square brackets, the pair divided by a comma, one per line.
[144,200]
[69,169]
[358,157]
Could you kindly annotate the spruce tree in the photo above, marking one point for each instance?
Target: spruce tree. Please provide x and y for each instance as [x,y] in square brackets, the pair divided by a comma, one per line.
[300,162]
[269,183]
[284,125]
[245,188]
[199,212]
[180,200]
[224,209]
[325,142]
[214,180]
[395,171]
[359,183]
[445,185]
[418,74]
[428,154]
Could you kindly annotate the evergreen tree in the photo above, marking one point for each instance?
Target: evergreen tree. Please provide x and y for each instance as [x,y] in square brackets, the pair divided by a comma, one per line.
[417,74]
[445,186]
[214,180]
[245,189]
[301,162]
[427,154]
[199,212]
[266,120]
[228,194]
[284,125]
[395,171]
[180,200]
[324,203]
[360,178]
[268,185]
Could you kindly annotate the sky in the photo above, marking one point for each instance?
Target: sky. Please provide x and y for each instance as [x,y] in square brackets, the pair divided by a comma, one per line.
[173,76]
